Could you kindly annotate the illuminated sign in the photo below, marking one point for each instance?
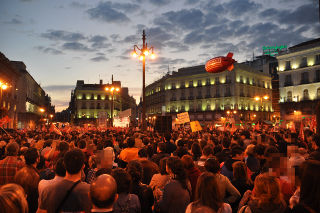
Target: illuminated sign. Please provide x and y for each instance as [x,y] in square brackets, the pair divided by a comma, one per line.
[273,50]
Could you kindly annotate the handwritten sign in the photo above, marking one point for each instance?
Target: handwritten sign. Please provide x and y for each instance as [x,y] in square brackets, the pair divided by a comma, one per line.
[183,117]
[195,126]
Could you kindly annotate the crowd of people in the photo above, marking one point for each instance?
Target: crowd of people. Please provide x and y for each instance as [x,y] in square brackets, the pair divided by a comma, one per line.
[132,171]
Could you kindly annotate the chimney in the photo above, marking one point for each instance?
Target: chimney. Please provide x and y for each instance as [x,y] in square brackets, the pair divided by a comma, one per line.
[101,81]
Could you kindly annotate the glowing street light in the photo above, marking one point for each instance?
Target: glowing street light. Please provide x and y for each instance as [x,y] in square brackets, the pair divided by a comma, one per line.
[112,89]
[144,51]
[42,110]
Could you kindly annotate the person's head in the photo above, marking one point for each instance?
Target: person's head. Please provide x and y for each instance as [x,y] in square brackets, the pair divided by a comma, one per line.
[131,142]
[250,150]
[13,199]
[212,165]
[163,165]
[103,191]
[310,185]
[59,168]
[142,153]
[237,152]
[93,161]
[73,161]
[240,171]
[207,191]
[31,156]
[123,180]
[12,149]
[207,151]
[267,190]
[196,150]
[28,178]
[226,143]
[63,147]
[135,170]
[187,162]
[176,170]
[161,147]
[82,144]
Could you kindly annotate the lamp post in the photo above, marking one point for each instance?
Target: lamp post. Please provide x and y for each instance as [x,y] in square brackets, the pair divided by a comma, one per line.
[143,52]
[112,89]
[41,110]
[258,98]
[3,86]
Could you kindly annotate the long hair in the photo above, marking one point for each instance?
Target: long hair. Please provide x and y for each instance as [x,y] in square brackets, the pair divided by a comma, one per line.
[240,172]
[267,190]
[175,164]
[13,199]
[207,191]
[310,185]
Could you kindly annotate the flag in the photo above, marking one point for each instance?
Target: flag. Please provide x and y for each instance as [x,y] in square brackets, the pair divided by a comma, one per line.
[53,128]
[301,132]
[292,128]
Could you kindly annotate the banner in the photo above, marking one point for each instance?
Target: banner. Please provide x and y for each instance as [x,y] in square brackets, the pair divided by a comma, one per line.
[195,126]
[183,117]
[125,113]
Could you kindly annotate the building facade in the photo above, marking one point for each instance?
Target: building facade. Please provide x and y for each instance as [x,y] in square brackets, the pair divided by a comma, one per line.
[210,96]
[299,79]
[91,101]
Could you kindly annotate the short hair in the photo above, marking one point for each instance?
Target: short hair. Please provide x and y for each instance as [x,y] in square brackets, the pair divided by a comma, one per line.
[73,161]
[163,166]
[63,146]
[131,142]
[212,165]
[82,144]
[13,199]
[207,150]
[31,156]
[12,149]
[236,150]
[123,180]
[28,178]
[103,191]
[226,143]
[187,162]
[135,170]
[59,168]
[162,146]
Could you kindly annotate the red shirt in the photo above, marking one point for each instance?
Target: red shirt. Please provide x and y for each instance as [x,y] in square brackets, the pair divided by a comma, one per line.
[8,168]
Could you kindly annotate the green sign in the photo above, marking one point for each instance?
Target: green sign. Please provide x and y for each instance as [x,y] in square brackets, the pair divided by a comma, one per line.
[273,50]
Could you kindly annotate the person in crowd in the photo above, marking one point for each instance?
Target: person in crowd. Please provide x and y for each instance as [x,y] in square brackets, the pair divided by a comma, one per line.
[196,151]
[315,155]
[181,149]
[10,164]
[28,178]
[161,153]
[240,177]
[207,152]
[69,194]
[13,199]
[266,196]
[149,169]
[309,196]
[177,192]
[32,158]
[103,194]
[208,194]
[228,192]
[93,162]
[236,155]
[251,160]
[126,202]
[159,180]
[192,172]
[170,147]
[144,192]
[130,153]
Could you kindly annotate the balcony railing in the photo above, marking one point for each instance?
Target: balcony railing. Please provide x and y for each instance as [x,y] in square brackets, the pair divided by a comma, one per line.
[190,97]
[199,97]
[305,81]
[288,83]
[183,98]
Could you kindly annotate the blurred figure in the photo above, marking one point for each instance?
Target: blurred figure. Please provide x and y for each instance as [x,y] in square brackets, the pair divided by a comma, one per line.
[193,173]
[208,195]
[13,199]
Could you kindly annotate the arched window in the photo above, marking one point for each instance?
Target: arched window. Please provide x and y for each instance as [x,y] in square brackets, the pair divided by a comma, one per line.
[83,96]
[99,97]
[289,96]
[305,94]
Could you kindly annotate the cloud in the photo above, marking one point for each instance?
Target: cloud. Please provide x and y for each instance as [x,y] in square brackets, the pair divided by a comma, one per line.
[104,11]
[177,46]
[75,46]
[126,7]
[14,21]
[238,8]
[99,59]
[306,14]
[49,50]
[75,4]
[99,41]
[63,35]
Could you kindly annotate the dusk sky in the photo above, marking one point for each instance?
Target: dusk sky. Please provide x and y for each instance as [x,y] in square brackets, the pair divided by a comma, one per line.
[63,41]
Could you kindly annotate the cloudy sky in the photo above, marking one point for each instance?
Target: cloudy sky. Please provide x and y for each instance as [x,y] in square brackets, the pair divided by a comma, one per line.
[63,41]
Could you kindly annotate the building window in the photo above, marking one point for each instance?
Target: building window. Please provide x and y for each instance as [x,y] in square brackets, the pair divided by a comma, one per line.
[84,106]
[208,107]
[208,95]
[99,97]
[228,92]
[253,82]
[241,92]
[289,96]
[288,80]
[199,106]
[106,106]
[216,81]
[199,83]
[288,65]
[228,79]
[190,83]
[208,81]
[98,106]
[317,59]
[173,85]
[92,96]
[183,109]
[248,81]
[199,93]
[83,96]
[217,92]
[241,79]
[305,78]
[92,106]
[303,62]
[305,94]
[317,79]
[182,84]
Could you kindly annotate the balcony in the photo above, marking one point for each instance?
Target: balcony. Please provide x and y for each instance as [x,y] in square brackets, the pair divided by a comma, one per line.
[228,82]
[288,83]
[208,96]
[190,97]
[182,98]
[305,81]
[228,94]
[199,97]
[317,79]
[173,99]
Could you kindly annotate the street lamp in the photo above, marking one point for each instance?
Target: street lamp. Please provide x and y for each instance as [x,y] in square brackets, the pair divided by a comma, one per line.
[258,98]
[112,89]
[142,53]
